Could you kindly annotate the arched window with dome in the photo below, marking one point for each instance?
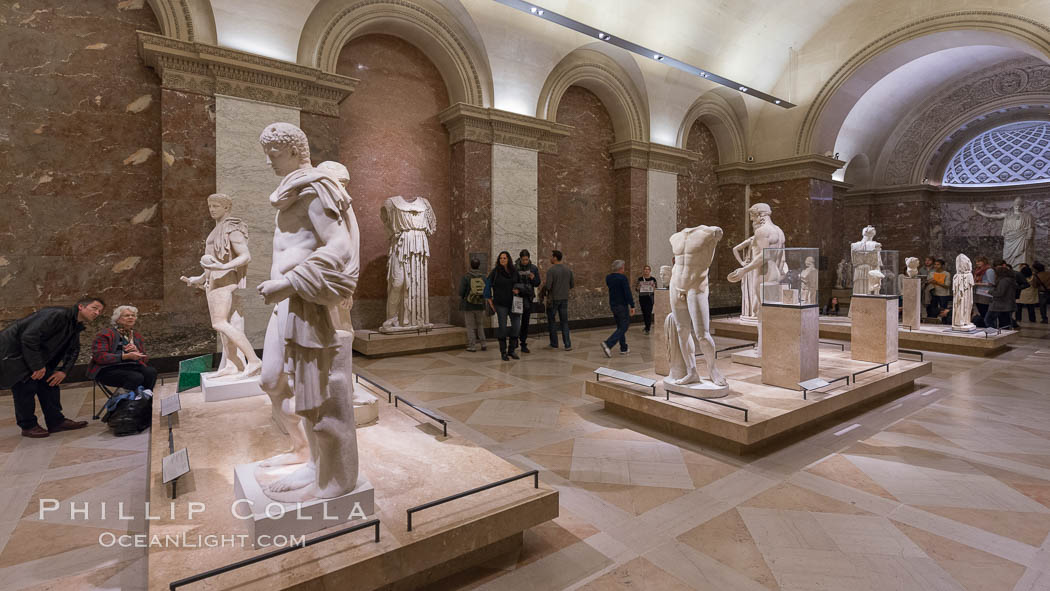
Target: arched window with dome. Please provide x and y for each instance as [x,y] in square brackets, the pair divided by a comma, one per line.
[1013,154]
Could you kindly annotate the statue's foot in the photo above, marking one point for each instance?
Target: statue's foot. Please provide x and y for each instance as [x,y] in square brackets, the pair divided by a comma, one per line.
[717,377]
[284,459]
[301,477]
[690,378]
[253,368]
[228,371]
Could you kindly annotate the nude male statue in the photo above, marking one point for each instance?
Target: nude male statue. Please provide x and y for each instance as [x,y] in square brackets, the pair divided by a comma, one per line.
[225,264]
[306,363]
[690,318]
[767,235]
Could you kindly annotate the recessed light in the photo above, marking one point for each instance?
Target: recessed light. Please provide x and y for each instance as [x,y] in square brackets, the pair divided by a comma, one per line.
[539,12]
[532,10]
[603,36]
[658,57]
[776,101]
[743,89]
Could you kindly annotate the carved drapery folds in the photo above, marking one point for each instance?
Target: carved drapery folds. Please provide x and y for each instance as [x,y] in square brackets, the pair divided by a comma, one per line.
[206,69]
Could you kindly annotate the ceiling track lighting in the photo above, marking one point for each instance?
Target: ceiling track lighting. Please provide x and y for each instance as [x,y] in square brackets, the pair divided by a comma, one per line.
[639,50]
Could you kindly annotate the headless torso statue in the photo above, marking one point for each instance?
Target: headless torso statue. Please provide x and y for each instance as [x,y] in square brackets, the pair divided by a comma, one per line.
[306,362]
[409,222]
[690,318]
[1018,233]
[962,294]
[225,264]
[767,235]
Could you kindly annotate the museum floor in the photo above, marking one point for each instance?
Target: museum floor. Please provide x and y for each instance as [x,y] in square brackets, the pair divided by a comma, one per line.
[945,488]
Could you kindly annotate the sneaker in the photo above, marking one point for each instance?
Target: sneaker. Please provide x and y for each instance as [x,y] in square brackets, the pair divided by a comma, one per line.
[605,349]
[555,346]
[626,351]
[37,432]
[525,349]
[513,355]
[568,347]
[471,350]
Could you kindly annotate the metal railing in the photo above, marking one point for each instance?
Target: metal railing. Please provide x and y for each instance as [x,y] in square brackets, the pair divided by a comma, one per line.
[427,412]
[712,401]
[358,377]
[857,373]
[535,483]
[805,391]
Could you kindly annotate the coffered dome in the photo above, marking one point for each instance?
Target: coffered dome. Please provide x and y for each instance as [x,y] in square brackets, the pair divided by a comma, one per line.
[1011,154]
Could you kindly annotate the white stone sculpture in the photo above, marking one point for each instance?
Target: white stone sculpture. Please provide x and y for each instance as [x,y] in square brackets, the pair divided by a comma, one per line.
[1018,233]
[749,304]
[665,276]
[225,264]
[810,285]
[913,266]
[306,361]
[767,235]
[875,278]
[689,322]
[366,404]
[842,279]
[409,223]
[962,294]
[866,255]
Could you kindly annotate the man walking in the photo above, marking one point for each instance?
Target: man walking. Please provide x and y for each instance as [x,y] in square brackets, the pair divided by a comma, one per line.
[36,354]
[529,278]
[472,302]
[556,293]
[621,301]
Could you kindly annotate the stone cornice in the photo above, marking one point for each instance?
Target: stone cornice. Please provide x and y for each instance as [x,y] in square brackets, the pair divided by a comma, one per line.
[492,126]
[936,193]
[206,69]
[635,154]
[809,166]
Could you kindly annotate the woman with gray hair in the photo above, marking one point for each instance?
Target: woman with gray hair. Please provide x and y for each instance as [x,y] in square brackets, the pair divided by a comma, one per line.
[118,355]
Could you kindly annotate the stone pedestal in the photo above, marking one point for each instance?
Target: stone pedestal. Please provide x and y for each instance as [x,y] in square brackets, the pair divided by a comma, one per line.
[873,333]
[790,345]
[228,389]
[661,308]
[911,292]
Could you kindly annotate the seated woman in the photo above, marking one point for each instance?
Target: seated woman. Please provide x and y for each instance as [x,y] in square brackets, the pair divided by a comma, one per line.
[118,357]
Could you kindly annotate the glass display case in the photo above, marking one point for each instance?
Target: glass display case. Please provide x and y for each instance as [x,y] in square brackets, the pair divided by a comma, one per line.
[875,272]
[790,276]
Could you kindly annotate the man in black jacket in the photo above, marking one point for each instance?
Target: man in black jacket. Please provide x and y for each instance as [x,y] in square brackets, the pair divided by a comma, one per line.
[529,278]
[36,354]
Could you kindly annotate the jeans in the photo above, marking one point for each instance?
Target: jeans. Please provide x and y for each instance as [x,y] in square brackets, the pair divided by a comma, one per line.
[562,309]
[507,328]
[622,315]
[998,319]
[646,303]
[1031,312]
[526,316]
[475,321]
[1043,297]
[25,394]
[129,377]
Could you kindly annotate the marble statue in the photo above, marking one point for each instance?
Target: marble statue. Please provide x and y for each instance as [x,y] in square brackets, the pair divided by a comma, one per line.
[366,409]
[749,304]
[767,235]
[809,276]
[913,266]
[306,360]
[962,294]
[875,278]
[689,322]
[866,255]
[1018,233]
[225,264]
[409,223]
[665,276]
[842,279]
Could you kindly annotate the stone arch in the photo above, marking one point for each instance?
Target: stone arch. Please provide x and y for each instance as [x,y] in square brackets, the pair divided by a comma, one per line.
[601,75]
[953,142]
[836,98]
[858,171]
[453,46]
[717,113]
[186,20]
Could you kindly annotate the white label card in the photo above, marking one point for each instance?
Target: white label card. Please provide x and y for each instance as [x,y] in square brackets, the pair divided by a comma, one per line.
[175,465]
[169,405]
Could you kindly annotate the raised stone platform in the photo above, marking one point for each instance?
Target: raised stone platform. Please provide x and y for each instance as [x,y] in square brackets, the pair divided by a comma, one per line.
[408,463]
[372,343]
[774,414]
[931,337]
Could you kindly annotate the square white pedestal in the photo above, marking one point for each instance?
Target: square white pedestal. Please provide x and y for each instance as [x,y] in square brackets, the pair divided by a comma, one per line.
[911,293]
[216,390]
[790,344]
[272,518]
[873,332]
[661,308]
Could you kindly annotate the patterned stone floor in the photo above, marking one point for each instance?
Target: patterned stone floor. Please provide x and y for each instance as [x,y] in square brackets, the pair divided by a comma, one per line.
[945,488]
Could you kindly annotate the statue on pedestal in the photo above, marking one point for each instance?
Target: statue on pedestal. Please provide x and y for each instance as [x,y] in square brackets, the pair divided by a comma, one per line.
[306,362]
[225,264]
[866,255]
[690,318]
[409,223]
[809,280]
[842,277]
[767,235]
[913,266]
[962,294]
[1018,233]
[743,253]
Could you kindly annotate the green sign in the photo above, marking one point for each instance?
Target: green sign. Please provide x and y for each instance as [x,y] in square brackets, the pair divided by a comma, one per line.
[190,372]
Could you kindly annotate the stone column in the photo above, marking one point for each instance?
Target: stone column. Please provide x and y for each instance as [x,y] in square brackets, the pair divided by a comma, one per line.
[660,215]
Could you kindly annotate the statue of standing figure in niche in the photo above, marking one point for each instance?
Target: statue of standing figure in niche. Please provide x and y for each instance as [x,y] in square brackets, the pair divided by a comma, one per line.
[962,294]
[767,235]
[306,362]
[690,319]
[409,223]
[225,264]
[866,255]
[810,286]
[1018,233]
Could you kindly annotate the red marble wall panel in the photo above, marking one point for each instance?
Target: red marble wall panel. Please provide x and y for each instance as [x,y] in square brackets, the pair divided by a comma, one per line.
[698,193]
[631,235]
[577,191]
[393,144]
[730,216]
[470,223]
[323,133]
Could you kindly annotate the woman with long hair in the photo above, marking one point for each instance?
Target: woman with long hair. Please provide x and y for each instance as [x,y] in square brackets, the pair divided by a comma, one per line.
[503,281]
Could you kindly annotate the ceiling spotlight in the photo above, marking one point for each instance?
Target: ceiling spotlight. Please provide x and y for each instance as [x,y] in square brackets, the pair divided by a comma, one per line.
[743,89]
[539,12]
[658,57]
[703,74]
[532,10]
[776,101]
[603,36]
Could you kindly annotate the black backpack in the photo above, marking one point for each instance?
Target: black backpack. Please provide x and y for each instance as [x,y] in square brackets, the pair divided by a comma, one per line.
[131,415]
